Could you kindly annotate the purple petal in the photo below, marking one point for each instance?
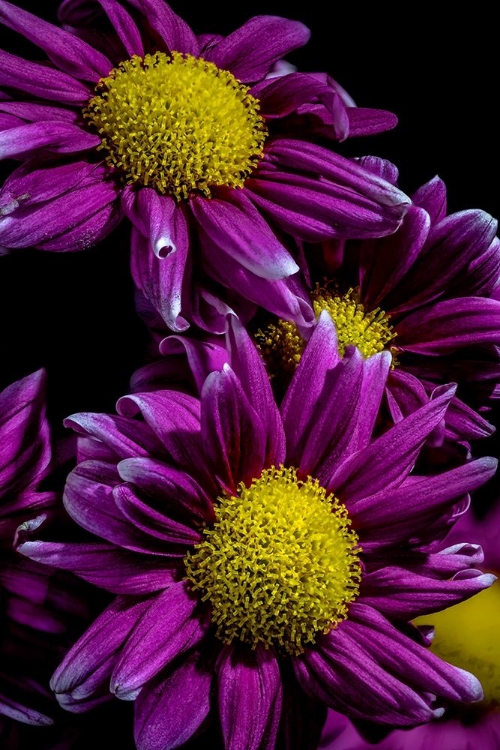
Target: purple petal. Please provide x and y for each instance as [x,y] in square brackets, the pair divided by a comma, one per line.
[166,629]
[25,443]
[232,431]
[34,112]
[57,137]
[363,121]
[248,366]
[41,81]
[238,229]
[249,697]
[39,224]
[67,52]
[319,358]
[449,325]
[201,357]
[285,298]
[126,437]
[175,32]
[160,252]
[90,662]
[250,52]
[385,463]
[382,262]
[156,532]
[413,505]
[124,25]
[118,571]
[281,96]
[432,198]
[172,706]
[400,593]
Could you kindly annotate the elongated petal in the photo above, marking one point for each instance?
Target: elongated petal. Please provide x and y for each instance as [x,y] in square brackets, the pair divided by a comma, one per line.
[57,137]
[118,571]
[396,452]
[417,502]
[68,52]
[232,430]
[24,445]
[174,32]
[126,437]
[66,214]
[171,707]
[248,366]
[432,198]
[124,26]
[239,230]
[449,325]
[382,262]
[41,81]
[89,664]
[320,356]
[249,697]
[167,628]
[251,51]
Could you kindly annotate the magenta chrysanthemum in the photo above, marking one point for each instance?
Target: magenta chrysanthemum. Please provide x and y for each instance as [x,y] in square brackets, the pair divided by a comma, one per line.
[208,152]
[466,635]
[258,556]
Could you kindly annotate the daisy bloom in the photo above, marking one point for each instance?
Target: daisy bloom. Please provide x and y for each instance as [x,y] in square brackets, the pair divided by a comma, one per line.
[199,140]
[266,562]
[467,636]
[37,607]
[426,295]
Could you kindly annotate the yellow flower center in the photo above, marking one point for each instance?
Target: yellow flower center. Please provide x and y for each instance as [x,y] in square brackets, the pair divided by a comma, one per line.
[280,564]
[177,123]
[467,637]
[282,345]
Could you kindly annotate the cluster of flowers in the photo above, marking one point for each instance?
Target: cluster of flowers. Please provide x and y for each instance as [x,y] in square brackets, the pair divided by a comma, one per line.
[251,553]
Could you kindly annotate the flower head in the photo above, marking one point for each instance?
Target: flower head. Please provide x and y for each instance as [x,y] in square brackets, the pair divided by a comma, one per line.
[426,294]
[210,154]
[265,558]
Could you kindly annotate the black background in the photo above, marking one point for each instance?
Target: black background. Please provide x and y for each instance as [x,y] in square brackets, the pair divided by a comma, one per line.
[74,314]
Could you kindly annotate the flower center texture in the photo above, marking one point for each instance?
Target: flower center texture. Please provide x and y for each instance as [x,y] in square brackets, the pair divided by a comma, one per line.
[280,564]
[282,344]
[177,123]
[467,637]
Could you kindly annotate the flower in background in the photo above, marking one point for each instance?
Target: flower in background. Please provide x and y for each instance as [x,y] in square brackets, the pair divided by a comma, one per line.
[37,605]
[265,561]
[467,636]
[427,295]
[209,153]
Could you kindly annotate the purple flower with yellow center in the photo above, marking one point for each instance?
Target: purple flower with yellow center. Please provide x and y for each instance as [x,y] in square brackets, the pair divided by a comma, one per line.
[426,295]
[197,140]
[465,635]
[266,561]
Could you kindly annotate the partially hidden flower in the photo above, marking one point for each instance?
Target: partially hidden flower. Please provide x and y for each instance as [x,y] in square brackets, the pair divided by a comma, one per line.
[427,295]
[266,561]
[466,635]
[37,607]
[199,140]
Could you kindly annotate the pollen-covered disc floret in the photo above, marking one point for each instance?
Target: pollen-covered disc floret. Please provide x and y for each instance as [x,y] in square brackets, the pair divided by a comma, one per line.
[177,123]
[280,564]
[466,635]
[282,345]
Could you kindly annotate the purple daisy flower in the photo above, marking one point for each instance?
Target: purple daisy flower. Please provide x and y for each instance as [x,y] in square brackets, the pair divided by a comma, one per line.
[466,635]
[197,140]
[425,294]
[36,604]
[266,562]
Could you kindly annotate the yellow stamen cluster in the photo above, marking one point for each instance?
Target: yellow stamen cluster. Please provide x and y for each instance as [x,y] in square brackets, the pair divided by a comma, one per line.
[369,331]
[177,123]
[282,345]
[467,637]
[280,564]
